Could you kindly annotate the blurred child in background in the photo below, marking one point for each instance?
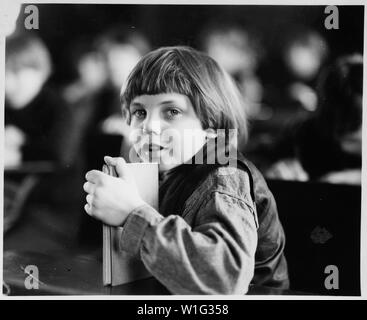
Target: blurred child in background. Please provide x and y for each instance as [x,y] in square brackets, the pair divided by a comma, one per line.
[238,51]
[290,75]
[37,124]
[36,119]
[327,144]
[304,54]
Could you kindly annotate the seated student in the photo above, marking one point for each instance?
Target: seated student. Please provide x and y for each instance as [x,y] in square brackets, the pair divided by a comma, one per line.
[239,52]
[37,125]
[304,53]
[217,229]
[35,117]
[327,145]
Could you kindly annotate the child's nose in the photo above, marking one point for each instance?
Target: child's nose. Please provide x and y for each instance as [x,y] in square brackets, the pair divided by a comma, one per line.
[152,125]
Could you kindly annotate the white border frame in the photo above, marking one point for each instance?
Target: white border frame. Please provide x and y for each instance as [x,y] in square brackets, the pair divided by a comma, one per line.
[363,254]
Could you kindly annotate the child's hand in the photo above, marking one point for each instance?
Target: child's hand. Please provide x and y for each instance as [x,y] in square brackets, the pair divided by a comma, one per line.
[111,199]
[14,137]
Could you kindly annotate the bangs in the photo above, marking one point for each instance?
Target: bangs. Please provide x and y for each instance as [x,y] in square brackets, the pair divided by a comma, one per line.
[157,73]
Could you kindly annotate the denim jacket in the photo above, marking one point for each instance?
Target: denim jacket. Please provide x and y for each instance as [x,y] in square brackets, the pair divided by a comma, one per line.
[217,231]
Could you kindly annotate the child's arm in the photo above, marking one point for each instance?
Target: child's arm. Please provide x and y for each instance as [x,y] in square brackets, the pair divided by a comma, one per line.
[217,256]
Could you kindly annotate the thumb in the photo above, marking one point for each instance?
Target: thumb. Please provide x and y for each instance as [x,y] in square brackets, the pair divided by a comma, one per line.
[120,166]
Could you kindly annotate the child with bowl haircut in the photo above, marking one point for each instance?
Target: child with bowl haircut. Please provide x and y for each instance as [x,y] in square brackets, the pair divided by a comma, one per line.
[217,230]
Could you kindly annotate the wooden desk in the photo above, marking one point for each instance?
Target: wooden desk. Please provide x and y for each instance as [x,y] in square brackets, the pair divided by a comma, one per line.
[63,275]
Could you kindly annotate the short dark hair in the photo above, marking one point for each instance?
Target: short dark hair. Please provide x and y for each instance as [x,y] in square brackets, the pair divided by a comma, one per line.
[213,94]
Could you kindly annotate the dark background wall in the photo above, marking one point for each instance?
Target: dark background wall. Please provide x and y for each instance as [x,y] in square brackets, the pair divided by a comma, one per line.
[61,24]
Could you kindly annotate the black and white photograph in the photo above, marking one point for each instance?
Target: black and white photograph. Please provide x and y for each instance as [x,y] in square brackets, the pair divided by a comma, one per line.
[177,149]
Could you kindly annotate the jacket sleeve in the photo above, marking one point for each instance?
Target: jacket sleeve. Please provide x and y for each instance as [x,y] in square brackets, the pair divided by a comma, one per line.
[215,256]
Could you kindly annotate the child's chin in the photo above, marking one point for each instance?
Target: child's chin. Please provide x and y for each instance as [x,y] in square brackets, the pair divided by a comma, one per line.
[164,161]
[167,166]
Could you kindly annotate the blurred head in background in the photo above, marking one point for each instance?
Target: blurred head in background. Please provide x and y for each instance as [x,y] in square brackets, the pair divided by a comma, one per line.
[122,48]
[27,67]
[233,47]
[304,53]
[89,64]
[238,51]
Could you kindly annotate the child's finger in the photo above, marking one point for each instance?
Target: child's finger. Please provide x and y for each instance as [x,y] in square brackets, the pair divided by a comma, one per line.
[110,161]
[95,176]
[88,187]
[87,209]
[89,199]
[120,165]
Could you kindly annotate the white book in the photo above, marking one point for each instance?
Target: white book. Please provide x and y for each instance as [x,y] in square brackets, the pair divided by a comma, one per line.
[119,266]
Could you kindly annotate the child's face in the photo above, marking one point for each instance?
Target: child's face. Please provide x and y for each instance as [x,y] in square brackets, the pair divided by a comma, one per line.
[21,86]
[169,130]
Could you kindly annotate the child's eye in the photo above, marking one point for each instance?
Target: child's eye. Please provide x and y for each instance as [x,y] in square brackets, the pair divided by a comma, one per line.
[172,113]
[140,114]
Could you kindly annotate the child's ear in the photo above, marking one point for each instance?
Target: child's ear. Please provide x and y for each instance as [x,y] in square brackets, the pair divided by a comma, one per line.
[210,133]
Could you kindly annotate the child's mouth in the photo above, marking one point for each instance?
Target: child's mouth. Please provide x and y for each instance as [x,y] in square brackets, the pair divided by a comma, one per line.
[154,147]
